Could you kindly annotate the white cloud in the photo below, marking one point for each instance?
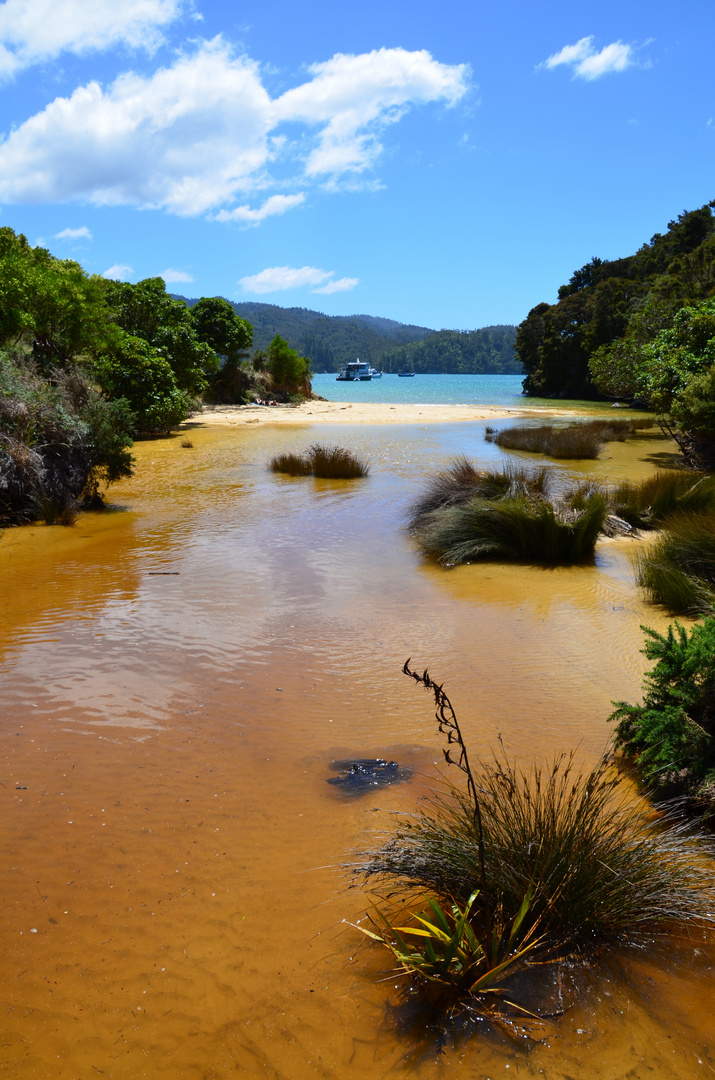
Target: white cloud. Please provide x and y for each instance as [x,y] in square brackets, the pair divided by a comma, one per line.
[82,233]
[170,275]
[276,204]
[32,31]
[201,134]
[356,96]
[343,284]
[279,278]
[589,64]
[118,272]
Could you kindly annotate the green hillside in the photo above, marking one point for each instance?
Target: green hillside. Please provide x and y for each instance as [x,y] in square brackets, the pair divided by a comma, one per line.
[332,340]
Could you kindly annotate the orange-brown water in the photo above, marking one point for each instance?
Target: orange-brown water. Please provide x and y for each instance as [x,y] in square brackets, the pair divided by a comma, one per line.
[177,675]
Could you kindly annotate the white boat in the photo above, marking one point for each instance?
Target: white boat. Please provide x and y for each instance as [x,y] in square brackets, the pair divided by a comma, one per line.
[354,371]
[374,374]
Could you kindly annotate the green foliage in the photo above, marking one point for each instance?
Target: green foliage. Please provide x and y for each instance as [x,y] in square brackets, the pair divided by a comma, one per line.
[58,441]
[678,570]
[49,305]
[454,954]
[590,340]
[138,373]
[290,371]
[216,323]
[146,311]
[325,462]
[671,736]
[462,352]
[506,517]
[694,408]
[555,856]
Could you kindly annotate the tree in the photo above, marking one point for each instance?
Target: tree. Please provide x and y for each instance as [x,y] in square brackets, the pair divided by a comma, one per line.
[146,311]
[134,370]
[217,324]
[290,371]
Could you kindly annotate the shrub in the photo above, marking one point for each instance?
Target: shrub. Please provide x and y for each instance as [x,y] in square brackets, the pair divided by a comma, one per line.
[326,462]
[136,371]
[556,857]
[58,441]
[671,736]
[678,570]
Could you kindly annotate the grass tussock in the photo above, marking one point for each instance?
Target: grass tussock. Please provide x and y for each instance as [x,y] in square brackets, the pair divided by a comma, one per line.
[649,503]
[528,860]
[584,439]
[678,570]
[325,462]
[187,444]
[465,515]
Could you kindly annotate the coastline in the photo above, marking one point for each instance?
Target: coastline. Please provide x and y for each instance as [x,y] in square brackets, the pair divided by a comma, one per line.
[332,412]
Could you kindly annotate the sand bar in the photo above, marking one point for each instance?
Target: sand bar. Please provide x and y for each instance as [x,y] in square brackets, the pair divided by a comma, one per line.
[334,412]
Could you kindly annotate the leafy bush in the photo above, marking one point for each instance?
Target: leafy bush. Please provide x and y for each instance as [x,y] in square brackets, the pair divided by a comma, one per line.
[59,440]
[138,373]
[325,462]
[671,736]
[290,371]
[678,570]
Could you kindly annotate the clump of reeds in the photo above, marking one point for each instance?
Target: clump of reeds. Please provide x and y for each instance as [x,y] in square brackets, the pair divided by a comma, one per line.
[678,570]
[187,444]
[465,514]
[528,860]
[584,439]
[325,462]
[648,503]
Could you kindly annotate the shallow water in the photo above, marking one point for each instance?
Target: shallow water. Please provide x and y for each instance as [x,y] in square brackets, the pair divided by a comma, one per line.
[178,674]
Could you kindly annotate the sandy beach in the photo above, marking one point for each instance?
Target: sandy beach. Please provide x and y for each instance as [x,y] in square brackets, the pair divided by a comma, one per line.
[332,412]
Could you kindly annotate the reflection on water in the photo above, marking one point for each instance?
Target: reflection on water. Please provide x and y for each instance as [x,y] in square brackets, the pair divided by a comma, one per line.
[178,676]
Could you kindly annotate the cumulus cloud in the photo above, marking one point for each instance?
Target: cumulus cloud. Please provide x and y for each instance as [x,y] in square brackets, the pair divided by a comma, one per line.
[354,97]
[276,204]
[202,134]
[589,64]
[118,272]
[32,31]
[170,275]
[279,278]
[82,233]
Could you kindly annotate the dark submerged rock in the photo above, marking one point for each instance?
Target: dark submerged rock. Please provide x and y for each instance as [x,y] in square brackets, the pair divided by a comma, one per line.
[359,775]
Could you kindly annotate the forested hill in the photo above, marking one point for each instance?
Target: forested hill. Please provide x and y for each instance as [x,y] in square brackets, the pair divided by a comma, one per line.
[610,311]
[332,340]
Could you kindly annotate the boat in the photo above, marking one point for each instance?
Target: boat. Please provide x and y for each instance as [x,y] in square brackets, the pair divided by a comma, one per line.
[374,374]
[354,371]
[405,374]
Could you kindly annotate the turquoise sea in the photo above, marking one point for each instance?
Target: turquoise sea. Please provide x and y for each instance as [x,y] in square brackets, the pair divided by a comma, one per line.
[501,390]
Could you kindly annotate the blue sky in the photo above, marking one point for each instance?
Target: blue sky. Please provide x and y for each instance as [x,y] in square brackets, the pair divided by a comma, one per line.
[445,164]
